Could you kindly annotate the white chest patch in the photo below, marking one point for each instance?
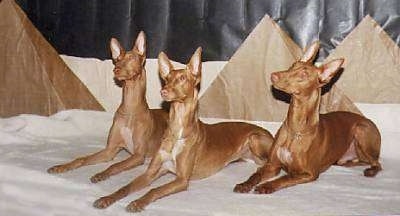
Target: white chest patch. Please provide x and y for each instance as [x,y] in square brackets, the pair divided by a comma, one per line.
[284,155]
[169,158]
[126,134]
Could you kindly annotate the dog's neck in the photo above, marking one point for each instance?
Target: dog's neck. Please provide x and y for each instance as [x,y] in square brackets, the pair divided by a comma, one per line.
[184,116]
[134,96]
[303,113]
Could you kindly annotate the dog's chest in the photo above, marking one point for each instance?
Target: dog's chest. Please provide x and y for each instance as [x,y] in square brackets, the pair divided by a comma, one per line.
[125,127]
[169,158]
[293,150]
[284,155]
[127,135]
[287,152]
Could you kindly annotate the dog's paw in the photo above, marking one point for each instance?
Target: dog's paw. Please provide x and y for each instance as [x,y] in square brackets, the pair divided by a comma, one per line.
[242,188]
[57,169]
[99,177]
[135,206]
[103,202]
[266,188]
[372,171]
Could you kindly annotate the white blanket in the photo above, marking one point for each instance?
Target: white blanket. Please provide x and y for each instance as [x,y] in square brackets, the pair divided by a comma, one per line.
[30,144]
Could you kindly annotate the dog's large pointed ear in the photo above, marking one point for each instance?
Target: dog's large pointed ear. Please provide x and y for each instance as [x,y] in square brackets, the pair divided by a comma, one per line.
[116,49]
[329,70]
[164,65]
[194,64]
[311,52]
[140,44]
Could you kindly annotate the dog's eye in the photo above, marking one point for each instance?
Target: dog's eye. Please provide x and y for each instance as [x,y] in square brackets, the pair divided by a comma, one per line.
[182,78]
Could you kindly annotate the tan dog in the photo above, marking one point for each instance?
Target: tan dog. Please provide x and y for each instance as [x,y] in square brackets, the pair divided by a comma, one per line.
[308,142]
[190,148]
[135,128]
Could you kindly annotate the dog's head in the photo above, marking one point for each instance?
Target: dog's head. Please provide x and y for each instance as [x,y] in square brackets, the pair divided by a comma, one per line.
[180,84]
[303,77]
[128,65]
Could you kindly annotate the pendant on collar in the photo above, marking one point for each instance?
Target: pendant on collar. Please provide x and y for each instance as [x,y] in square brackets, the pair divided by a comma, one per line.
[297,136]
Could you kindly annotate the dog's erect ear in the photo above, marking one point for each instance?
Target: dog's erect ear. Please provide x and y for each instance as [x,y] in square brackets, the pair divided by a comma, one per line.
[116,49]
[194,64]
[140,44]
[311,52]
[164,65]
[329,70]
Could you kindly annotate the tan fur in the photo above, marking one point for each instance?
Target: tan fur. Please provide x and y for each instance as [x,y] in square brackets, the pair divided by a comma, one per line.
[135,128]
[314,141]
[203,149]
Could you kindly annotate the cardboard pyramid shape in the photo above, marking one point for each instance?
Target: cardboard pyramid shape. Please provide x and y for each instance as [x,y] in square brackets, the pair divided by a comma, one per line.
[33,78]
[243,88]
[372,64]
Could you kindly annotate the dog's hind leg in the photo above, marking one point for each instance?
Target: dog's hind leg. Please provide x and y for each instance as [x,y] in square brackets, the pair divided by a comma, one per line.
[260,145]
[368,144]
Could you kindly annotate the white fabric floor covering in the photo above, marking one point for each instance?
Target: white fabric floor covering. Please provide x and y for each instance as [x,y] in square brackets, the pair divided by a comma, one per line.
[30,144]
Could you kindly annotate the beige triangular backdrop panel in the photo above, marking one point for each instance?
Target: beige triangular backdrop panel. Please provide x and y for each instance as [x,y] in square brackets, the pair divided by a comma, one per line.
[372,64]
[242,90]
[33,78]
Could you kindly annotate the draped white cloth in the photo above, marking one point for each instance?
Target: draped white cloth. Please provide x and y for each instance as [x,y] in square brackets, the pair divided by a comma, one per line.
[30,144]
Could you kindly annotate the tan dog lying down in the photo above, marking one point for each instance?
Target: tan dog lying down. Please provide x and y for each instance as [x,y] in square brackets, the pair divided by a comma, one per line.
[308,143]
[190,148]
[135,128]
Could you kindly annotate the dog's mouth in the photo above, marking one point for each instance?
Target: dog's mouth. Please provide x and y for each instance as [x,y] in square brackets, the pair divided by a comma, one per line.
[167,99]
[122,77]
[279,87]
[171,98]
[289,91]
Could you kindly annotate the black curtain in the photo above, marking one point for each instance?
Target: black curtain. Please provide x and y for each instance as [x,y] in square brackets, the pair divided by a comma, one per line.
[84,27]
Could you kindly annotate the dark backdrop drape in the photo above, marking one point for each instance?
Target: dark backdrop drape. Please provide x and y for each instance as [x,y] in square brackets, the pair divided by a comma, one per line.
[84,27]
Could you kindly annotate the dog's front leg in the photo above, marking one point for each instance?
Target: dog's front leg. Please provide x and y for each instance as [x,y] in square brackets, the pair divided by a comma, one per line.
[114,143]
[269,170]
[283,182]
[263,173]
[103,155]
[152,173]
[184,169]
[179,184]
[131,162]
